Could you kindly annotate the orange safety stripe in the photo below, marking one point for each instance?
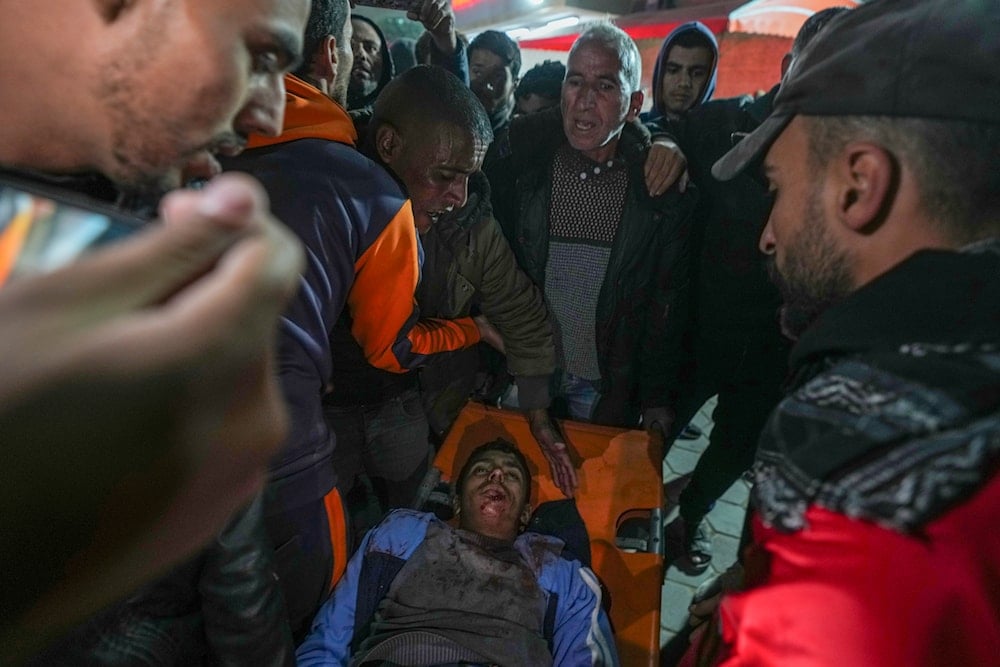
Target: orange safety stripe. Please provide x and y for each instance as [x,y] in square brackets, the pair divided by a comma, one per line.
[12,240]
[337,518]
[382,306]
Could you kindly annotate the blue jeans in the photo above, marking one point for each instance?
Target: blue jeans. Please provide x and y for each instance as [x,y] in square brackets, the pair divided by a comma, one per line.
[579,394]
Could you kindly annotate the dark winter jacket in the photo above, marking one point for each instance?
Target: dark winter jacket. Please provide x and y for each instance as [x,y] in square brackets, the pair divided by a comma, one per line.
[877,490]
[222,607]
[469,268]
[732,291]
[642,302]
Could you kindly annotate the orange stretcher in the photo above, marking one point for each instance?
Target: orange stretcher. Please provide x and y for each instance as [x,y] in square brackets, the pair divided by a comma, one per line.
[620,480]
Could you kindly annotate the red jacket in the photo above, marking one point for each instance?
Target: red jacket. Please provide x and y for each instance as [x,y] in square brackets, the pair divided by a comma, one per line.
[849,592]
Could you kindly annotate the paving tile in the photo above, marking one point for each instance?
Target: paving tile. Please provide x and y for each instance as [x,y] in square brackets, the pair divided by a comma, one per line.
[727,518]
[725,522]
[698,445]
[706,410]
[681,461]
[738,493]
[673,607]
[724,552]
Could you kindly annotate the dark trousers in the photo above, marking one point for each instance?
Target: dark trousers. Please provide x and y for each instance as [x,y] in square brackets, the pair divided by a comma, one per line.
[746,372]
[303,557]
[383,453]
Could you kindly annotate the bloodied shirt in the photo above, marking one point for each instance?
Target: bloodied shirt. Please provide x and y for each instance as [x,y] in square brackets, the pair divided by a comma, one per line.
[461,597]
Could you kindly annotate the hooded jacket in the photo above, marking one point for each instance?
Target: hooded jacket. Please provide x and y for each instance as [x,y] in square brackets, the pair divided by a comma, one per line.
[876,490]
[658,111]
[470,267]
[732,291]
[362,252]
[356,101]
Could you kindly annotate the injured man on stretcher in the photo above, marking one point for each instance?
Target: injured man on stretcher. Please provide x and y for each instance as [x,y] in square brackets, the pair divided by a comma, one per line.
[420,592]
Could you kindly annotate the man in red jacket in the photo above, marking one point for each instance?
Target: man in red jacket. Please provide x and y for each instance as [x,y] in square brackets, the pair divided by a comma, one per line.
[876,487]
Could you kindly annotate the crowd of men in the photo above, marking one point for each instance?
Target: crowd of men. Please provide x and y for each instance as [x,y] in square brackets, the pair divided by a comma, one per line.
[195,416]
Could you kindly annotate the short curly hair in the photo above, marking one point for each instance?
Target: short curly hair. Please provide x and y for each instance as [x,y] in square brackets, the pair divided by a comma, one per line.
[544,79]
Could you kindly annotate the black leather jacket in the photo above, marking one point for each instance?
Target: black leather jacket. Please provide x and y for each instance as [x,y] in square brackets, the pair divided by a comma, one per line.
[222,607]
[642,303]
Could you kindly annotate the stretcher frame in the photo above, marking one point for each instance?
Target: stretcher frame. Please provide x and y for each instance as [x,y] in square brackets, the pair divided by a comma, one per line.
[620,474]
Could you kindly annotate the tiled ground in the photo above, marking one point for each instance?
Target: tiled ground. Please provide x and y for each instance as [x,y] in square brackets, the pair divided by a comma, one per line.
[725,521]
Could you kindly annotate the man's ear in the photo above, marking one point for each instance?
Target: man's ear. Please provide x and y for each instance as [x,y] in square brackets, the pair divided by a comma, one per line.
[388,142]
[324,64]
[866,178]
[525,516]
[635,105]
[786,64]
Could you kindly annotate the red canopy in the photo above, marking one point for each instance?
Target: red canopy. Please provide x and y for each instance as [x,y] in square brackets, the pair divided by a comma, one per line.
[781,18]
[778,17]
[645,25]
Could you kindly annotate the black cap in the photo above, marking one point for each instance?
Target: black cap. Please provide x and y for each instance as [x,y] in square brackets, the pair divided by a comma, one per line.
[937,59]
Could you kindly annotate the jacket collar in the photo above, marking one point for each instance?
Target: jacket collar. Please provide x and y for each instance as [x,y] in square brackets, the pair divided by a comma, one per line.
[930,297]
[309,114]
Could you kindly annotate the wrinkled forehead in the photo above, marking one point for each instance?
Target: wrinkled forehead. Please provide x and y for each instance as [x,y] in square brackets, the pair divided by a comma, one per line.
[459,142]
[590,56]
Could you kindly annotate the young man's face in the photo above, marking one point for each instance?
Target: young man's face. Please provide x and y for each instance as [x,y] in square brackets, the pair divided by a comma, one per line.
[185,79]
[435,166]
[685,75]
[596,101]
[533,102]
[812,271]
[490,79]
[367,69]
[494,496]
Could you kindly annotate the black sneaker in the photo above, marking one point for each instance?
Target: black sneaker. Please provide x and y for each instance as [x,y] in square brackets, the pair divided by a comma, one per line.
[697,546]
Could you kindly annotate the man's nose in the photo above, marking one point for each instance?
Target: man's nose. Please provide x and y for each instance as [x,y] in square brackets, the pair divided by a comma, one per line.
[458,192]
[767,243]
[264,112]
[496,475]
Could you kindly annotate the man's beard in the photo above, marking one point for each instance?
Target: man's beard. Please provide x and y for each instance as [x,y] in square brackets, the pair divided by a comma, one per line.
[815,277]
[358,92]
